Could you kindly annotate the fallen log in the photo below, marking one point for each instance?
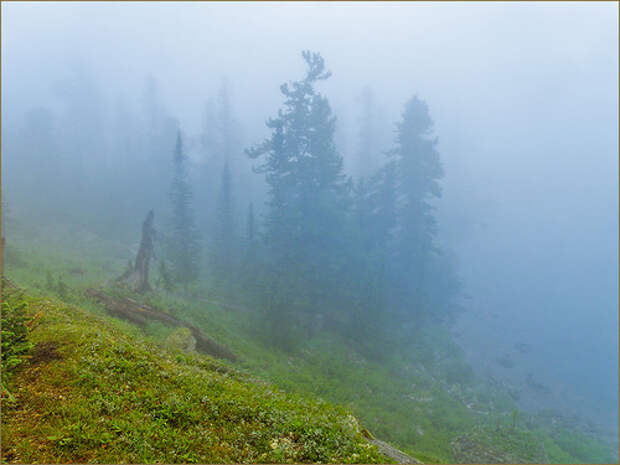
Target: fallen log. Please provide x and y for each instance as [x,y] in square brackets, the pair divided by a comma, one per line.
[140,314]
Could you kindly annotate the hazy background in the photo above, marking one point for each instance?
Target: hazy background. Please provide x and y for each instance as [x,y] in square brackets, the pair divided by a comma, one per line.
[525,102]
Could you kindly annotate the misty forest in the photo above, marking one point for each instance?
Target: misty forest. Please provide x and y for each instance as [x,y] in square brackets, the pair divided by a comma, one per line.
[309,232]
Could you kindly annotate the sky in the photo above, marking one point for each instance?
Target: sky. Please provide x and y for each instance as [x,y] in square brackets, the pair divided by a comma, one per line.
[525,102]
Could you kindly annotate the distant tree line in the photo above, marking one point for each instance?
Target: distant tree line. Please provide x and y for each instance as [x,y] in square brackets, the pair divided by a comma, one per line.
[361,255]
[325,251]
[358,256]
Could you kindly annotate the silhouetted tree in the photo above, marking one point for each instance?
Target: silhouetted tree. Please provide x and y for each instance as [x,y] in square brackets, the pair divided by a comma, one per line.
[183,241]
[308,195]
[221,144]
[225,234]
[419,169]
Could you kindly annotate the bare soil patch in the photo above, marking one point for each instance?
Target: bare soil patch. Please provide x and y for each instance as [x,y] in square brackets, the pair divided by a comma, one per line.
[45,352]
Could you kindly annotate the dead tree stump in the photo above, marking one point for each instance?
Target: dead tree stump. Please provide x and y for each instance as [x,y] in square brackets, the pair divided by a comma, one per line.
[137,276]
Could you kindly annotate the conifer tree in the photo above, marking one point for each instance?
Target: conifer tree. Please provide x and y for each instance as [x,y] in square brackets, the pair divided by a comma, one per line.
[183,241]
[303,169]
[225,227]
[419,170]
[308,194]
[221,144]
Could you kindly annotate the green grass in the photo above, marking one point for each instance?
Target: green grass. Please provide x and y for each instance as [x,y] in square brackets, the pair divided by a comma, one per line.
[420,402]
[97,390]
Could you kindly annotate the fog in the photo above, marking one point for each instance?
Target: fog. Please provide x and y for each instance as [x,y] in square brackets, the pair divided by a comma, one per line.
[524,99]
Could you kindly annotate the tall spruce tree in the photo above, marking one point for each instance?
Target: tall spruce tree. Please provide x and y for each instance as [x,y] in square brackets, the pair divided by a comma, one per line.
[308,194]
[419,170]
[225,234]
[183,241]
[308,190]
[221,144]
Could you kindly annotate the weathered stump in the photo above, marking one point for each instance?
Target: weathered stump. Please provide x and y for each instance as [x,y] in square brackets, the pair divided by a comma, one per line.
[137,274]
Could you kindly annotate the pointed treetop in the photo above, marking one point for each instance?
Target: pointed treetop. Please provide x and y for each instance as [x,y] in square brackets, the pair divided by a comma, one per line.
[416,116]
[316,66]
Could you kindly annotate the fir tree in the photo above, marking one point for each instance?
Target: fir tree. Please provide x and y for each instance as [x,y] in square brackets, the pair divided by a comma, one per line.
[225,226]
[183,241]
[221,144]
[419,170]
[308,190]
[308,195]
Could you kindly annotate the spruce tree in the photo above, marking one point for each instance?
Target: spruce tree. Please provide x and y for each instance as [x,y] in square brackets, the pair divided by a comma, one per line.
[308,195]
[183,241]
[224,253]
[419,170]
[221,144]
[303,169]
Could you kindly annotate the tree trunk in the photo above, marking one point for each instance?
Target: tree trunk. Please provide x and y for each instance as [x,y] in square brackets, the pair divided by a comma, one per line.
[138,277]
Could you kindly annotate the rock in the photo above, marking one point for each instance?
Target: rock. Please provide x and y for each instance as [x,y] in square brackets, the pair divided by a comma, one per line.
[393,453]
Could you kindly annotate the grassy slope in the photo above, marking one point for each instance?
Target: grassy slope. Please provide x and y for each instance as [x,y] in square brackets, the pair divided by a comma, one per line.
[407,402]
[97,390]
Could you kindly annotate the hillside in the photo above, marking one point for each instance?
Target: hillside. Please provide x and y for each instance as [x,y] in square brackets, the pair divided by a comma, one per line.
[97,388]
